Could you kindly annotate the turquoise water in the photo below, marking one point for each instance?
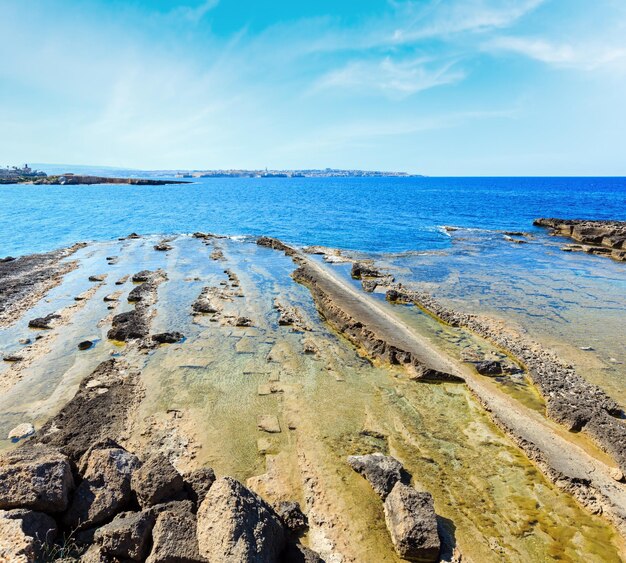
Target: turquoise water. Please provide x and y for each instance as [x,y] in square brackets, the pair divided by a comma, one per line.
[370,214]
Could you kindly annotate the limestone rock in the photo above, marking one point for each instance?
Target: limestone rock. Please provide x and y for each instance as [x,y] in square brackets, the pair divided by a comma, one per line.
[235,524]
[36,477]
[268,423]
[105,488]
[412,523]
[127,535]
[382,471]
[174,539]
[157,480]
[21,431]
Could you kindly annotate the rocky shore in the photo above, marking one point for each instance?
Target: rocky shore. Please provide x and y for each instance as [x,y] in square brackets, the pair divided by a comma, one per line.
[605,238]
[190,405]
[80,179]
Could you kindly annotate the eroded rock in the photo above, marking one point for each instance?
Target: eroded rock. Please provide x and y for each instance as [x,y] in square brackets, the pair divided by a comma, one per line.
[198,483]
[381,471]
[175,540]
[156,480]
[127,536]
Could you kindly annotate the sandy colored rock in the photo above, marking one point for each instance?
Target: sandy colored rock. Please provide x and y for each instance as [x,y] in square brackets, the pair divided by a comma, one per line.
[235,524]
[174,539]
[268,423]
[198,483]
[126,536]
[412,523]
[156,480]
[21,431]
[26,536]
[36,477]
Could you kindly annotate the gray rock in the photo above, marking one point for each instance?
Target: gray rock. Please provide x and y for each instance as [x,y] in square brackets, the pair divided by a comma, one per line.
[489,367]
[157,480]
[292,516]
[174,539]
[167,337]
[43,322]
[36,477]
[235,524]
[105,488]
[382,471]
[198,483]
[412,523]
[127,535]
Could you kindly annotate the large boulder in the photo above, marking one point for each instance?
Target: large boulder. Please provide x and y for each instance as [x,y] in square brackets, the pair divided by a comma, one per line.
[24,533]
[382,471]
[412,523]
[235,524]
[105,488]
[174,538]
[35,477]
[157,480]
[127,536]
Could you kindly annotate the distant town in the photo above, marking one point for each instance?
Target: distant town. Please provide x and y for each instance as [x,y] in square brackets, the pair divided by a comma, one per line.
[14,174]
[311,173]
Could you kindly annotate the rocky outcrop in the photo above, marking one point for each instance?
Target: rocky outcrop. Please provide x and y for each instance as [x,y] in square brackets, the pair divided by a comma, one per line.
[382,471]
[235,524]
[364,334]
[290,316]
[43,323]
[570,400]
[35,477]
[276,244]
[606,238]
[81,179]
[412,523]
[98,410]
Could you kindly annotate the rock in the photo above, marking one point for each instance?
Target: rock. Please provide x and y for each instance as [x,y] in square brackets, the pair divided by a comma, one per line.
[167,337]
[128,326]
[43,322]
[36,477]
[7,259]
[26,528]
[21,431]
[157,480]
[489,367]
[292,516]
[202,305]
[24,341]
[412,523]
[617,474]
[98,278]
[12,358]
[198,483]
[268,423]
[85,345]
[110,298]
[243,321]
[174,539]
[179,506]
[94,554]
[127,535]
[297,553]
[162,247]
[140,292]
[235,524]
[382,471]
[143,276]
[105,488]
[362,270]
[369,285]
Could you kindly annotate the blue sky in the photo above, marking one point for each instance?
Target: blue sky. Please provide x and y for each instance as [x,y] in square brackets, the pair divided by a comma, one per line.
[440,87]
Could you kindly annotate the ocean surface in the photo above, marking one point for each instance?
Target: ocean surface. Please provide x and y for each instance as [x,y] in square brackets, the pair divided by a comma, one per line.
[369,214]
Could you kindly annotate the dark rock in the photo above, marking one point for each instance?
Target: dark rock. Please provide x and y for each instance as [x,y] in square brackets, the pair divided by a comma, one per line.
[162,247]
[7,259]
[198,483]
[85,345]
[97,278]
[382,471]
[12,358]
[297,553]
[143,276]
[235,524]
[202,305]
[167,337]
[174,539]
[292,516]
[489,367]
[128,326]
[43,322]
[24,341]
[243,321]
[127,536]
[156,480]
[140,292]
[412,523]
[35,477]
[362,270]
[105,488]
[133,236]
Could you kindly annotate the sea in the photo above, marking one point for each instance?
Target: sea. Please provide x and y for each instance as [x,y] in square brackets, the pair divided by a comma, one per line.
[573,302]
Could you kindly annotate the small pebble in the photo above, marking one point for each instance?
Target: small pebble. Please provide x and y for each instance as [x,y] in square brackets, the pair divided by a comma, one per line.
[85,345]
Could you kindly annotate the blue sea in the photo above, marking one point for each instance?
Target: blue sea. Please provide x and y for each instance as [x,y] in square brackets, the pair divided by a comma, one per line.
[369,214]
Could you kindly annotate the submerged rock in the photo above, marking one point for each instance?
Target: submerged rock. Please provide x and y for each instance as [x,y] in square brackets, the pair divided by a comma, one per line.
[489,367]
[235,524]
[85,345]
[382,471]
[35,477]
[412,523]
[43,322]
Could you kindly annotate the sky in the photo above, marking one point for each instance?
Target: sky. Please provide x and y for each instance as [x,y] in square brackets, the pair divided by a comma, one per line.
[437,87]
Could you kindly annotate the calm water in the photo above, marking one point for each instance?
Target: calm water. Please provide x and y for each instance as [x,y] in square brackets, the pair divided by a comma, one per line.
[371,214]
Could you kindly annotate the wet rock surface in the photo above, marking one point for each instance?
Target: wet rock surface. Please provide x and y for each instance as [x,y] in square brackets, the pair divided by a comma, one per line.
[167,337]
[606,238]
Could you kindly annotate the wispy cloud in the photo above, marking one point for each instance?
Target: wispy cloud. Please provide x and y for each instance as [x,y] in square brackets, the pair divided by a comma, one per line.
[395,79]
[580,56]
[196,13]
